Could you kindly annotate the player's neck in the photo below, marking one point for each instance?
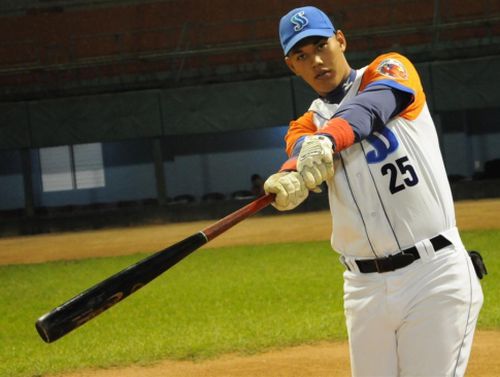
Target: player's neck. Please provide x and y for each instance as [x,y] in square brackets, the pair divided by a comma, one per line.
[337,94]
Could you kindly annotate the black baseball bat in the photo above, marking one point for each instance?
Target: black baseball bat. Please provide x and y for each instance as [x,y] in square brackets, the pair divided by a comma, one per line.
[95,300]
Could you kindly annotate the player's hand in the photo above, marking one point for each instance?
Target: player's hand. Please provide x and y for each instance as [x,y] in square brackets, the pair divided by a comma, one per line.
[315,161]
[289,188]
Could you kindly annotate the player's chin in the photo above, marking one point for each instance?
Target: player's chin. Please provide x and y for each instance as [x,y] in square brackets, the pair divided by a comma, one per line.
[323,87]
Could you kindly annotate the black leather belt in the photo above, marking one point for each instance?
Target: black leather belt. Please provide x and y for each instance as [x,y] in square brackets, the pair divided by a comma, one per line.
[401,259]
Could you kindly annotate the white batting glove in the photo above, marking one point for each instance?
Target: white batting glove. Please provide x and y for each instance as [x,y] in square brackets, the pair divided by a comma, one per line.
[315,161]
[289,188]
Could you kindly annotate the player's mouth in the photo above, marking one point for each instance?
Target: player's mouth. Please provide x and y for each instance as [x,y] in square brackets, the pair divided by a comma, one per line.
[323,75]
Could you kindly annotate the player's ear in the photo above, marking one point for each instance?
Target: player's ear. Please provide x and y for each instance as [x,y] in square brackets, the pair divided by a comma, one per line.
[340,37]
[290,65]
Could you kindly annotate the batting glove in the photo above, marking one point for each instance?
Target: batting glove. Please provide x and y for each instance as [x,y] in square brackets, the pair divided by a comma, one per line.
[289,188]
[315,161]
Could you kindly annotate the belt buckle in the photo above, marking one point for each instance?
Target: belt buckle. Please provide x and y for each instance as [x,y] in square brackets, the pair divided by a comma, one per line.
[390,264]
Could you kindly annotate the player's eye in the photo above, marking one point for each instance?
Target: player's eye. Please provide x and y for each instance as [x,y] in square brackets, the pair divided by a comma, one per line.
[301,57]
[322,45]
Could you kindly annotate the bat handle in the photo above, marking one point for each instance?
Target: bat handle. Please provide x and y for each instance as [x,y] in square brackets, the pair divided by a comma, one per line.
[234,218]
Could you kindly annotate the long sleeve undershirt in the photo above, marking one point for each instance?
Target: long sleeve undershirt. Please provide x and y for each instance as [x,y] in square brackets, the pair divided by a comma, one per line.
[371,109]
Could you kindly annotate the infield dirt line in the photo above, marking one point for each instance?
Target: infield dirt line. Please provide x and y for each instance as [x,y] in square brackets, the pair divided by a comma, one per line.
[303,227]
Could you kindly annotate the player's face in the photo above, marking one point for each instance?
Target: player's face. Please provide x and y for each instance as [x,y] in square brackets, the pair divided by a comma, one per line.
[321,63]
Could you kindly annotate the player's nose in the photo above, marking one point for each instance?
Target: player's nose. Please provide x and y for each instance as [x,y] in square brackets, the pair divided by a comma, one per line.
[317,61]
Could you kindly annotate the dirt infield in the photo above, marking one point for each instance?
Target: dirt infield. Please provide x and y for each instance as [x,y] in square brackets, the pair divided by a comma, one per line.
[320,360]
[325,359]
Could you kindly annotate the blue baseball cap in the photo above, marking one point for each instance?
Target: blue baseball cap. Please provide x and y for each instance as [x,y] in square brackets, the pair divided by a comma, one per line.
[301,23]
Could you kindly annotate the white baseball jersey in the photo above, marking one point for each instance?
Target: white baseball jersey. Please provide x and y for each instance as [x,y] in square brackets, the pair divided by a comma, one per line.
[390,190]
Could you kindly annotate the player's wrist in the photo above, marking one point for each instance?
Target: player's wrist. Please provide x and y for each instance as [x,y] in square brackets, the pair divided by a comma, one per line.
[289,165]
[340,133]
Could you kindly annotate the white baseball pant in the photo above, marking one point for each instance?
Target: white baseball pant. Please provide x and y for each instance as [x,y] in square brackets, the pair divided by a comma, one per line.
[415,321]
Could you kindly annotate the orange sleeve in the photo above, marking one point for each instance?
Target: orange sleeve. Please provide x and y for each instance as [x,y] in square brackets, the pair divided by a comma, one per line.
[396,70]
[298,128]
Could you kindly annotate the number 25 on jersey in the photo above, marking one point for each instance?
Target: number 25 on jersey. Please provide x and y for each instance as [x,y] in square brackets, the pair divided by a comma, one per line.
[401,172]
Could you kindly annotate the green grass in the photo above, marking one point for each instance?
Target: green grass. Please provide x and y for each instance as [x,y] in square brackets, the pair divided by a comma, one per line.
[488,243]
[240,299]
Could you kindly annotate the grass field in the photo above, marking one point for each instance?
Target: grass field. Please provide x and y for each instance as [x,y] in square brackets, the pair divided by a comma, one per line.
[241,299]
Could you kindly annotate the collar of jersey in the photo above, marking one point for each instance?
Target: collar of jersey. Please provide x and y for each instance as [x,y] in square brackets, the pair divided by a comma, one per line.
[337,94]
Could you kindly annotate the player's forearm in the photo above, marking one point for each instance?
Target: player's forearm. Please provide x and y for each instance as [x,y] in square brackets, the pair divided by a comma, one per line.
[368,111]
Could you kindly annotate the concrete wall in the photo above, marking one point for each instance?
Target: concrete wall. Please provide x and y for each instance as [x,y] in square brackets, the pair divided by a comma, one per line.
[11,180]
[191,166]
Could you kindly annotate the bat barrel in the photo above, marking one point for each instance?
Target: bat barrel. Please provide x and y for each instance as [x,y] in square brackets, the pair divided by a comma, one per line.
[102,296]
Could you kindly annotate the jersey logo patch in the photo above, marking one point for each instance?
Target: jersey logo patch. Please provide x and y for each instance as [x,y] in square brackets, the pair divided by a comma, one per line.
[299,20]
[384,143]
[393,68]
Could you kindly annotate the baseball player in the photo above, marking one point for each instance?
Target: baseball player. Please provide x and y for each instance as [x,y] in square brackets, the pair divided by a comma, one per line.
[411,297]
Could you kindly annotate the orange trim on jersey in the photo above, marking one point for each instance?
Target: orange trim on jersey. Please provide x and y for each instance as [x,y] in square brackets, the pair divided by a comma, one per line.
[301,127]
[289,165]
[341,131]
[396,67]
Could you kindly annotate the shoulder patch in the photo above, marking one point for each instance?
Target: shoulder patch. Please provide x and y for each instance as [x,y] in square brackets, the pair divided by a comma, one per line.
[392,68]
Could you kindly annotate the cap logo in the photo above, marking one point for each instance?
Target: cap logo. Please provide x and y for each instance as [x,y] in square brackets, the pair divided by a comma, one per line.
[299,20]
